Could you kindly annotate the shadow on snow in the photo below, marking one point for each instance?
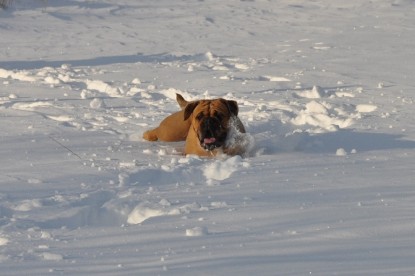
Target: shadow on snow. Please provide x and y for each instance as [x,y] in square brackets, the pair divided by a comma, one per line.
[100,61]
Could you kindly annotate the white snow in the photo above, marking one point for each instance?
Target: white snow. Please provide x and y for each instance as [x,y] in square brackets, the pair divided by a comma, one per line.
[3,241]
[365,108]
[222,169]
[140,214]
[326,93]
[341,152]
[315,93]
[47,256]
[275,78]
[196,232]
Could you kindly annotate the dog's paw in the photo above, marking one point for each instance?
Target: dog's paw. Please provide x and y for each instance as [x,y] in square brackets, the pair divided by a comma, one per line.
[150,135]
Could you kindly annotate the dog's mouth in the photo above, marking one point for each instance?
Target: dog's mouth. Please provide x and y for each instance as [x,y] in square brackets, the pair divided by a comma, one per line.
[210,144]
[211,134]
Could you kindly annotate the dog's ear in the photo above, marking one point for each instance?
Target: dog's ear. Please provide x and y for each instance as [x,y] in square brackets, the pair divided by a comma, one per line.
[181,101]
[232,107]
[189,109]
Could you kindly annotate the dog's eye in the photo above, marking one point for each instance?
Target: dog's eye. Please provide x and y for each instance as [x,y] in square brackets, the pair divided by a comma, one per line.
[219,116]
[199,116]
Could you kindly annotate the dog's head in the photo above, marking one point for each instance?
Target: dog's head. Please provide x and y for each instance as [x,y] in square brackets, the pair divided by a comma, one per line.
[211,121]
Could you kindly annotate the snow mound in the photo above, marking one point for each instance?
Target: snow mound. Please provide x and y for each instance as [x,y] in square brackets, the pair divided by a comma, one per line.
[197,232]
[274,78]
[142,213]
[147,210]
[47,256]
[26,205]
[315,93]
[365,108]
[341,152]
[323,116]
[102,87]
[221,170]
[3,241]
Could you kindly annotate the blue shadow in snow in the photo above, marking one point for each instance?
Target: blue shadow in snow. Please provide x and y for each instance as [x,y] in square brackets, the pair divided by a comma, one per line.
[272,138]
[361,141]
[99,61]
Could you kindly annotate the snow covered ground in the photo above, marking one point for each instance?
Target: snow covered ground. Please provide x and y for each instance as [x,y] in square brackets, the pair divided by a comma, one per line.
[325,89]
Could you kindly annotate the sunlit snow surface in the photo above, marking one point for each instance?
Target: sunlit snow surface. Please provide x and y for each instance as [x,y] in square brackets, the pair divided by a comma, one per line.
[325,90]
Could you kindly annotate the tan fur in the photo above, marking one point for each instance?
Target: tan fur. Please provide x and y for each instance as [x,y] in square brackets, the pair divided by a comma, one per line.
[185,126]
[172,129]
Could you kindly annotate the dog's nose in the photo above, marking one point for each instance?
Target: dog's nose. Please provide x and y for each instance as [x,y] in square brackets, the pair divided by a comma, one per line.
[209,122]
[210,125]
[207,129]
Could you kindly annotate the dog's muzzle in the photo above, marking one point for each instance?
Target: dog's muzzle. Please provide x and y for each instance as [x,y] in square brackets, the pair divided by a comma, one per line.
[212,135]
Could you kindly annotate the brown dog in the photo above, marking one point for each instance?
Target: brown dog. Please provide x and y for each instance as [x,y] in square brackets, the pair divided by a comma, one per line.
[205,126]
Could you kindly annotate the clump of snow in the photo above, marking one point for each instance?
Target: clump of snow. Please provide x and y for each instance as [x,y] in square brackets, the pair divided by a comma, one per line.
[365,108]
[52,80]
[196,232]
[31,106]
[34,181]
[3,241]
[315,93]
[5,73]
[241,66]
[171,93]
[209,55]
[27,205]
[47,256]
[61,118]
[102,87]
[341,152]
[147,210]
[322,115]
[274,79]
[97,103]
[19,75]
[142,213]
[136,81]
[221,170]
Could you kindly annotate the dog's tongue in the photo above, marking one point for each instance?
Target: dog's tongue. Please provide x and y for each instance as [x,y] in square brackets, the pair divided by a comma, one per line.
[208,141]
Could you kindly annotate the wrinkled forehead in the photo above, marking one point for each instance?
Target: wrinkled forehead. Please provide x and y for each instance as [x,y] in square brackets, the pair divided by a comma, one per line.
[209,107]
